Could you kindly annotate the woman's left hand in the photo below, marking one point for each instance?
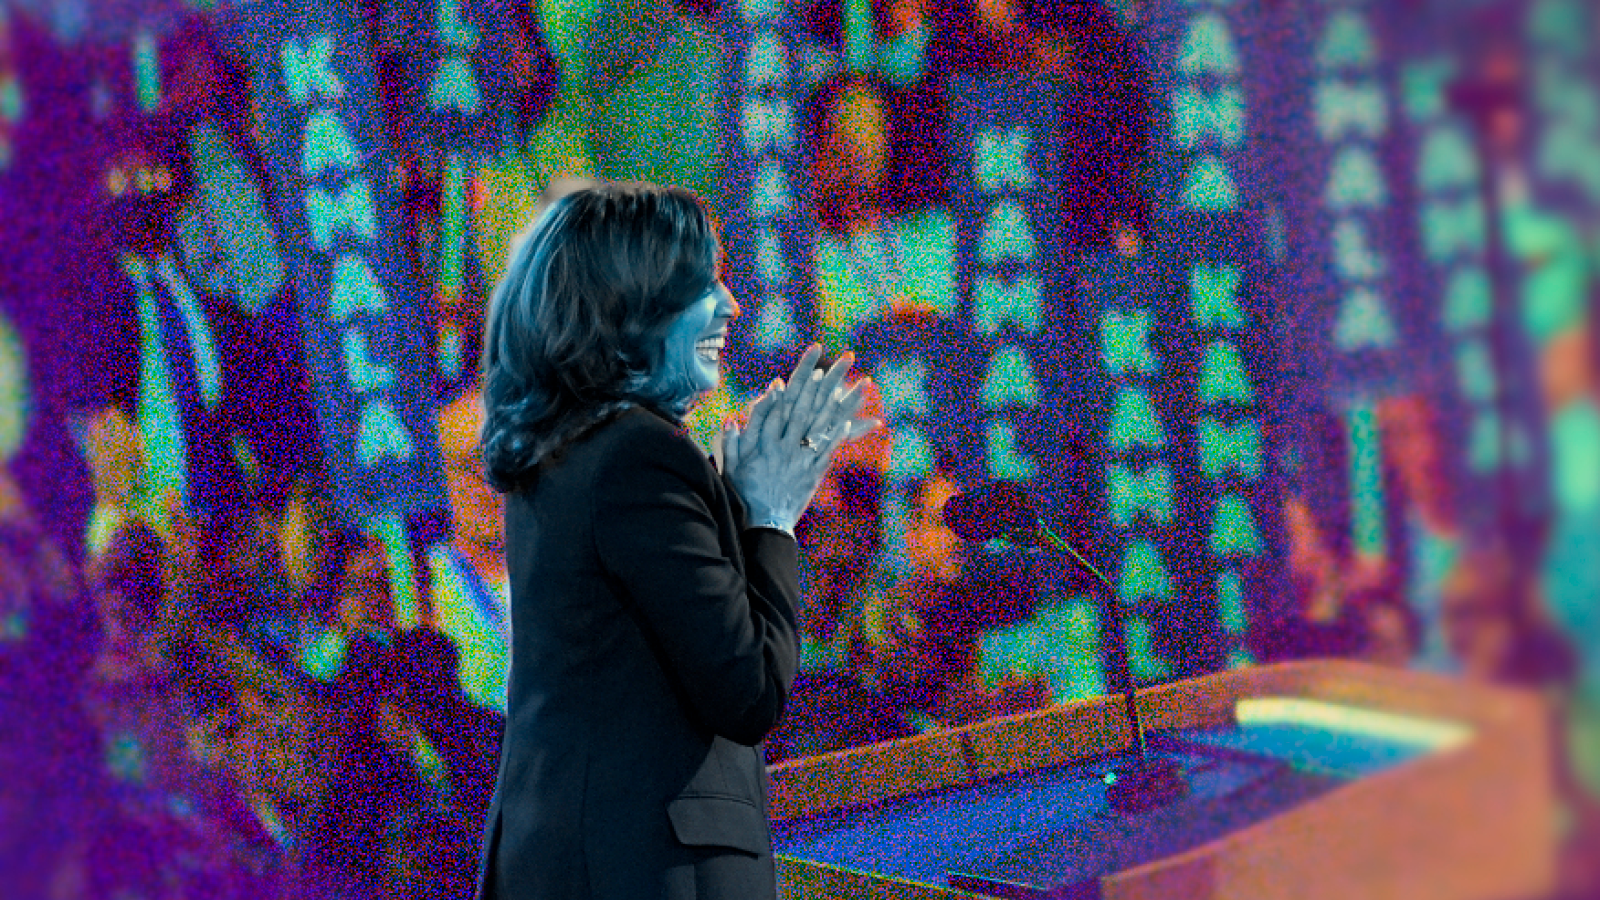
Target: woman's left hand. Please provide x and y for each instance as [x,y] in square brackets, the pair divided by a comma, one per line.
[814,405]
[810,404]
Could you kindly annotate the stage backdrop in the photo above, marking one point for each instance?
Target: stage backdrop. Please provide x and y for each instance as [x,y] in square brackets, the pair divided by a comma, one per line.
[360,313]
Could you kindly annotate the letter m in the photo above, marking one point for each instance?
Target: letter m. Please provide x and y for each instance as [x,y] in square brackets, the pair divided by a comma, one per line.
[1195,113]
[351,210]
[1130,493]
[308,68]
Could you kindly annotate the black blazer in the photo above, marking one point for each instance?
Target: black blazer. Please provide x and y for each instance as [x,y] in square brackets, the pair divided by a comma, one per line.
[653,647]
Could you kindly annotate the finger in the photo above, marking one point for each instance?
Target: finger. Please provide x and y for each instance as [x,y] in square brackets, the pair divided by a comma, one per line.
[797,422]
[774,412]
[806,381]
[831,439]
[817,415]
[828,389]
[845,404]
[763,408]
[836,439]
[719,441]
[758,415]
[807,363]
[807,417]
[800,378]
[860,428]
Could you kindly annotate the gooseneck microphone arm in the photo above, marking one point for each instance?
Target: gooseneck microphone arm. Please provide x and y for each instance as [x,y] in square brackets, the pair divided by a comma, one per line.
[1005,508]
[1124,673]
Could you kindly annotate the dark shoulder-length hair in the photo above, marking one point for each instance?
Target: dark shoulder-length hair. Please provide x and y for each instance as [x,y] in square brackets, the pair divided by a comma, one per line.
[576,328]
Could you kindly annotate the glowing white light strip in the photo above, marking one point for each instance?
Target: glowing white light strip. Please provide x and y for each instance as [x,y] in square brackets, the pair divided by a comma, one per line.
[1434,734]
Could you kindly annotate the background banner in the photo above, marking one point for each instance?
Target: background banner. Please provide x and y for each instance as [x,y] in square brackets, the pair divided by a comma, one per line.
[768,229]
[359,312]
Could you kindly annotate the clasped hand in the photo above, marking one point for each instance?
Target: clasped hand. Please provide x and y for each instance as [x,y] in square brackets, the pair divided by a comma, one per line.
[775,474]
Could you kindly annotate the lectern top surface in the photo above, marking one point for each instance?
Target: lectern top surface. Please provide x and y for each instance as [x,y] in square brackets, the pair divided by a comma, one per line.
[1052,827]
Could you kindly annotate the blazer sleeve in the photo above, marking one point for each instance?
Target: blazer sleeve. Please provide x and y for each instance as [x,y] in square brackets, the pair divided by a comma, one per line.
[727,640]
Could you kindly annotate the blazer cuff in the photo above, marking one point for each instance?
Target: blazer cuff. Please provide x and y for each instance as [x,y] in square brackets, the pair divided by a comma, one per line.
[772,526]
[772,563]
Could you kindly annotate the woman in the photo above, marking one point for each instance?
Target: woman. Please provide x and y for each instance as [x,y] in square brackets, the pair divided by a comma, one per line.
[652,599]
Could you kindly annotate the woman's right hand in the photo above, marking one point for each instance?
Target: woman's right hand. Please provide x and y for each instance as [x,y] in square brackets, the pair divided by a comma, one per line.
[774,473]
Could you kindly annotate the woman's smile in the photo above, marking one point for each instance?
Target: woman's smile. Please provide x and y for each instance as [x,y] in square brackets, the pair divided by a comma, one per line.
[710,349]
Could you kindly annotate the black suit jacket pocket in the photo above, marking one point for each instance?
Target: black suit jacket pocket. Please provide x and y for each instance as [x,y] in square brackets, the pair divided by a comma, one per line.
[715,820]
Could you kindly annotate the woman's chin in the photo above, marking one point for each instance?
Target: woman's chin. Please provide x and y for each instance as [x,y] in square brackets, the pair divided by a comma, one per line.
[709,380]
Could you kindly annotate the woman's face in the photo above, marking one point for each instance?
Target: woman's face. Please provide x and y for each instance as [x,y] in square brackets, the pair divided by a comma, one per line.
[695,342]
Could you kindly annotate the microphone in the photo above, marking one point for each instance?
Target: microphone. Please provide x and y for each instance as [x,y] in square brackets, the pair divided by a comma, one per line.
[1007,508]
[998,508]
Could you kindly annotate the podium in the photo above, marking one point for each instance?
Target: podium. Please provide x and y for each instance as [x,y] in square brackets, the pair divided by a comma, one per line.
[1316,779]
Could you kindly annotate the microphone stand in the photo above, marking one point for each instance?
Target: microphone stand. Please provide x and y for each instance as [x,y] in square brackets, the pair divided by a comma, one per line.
[1147,782]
